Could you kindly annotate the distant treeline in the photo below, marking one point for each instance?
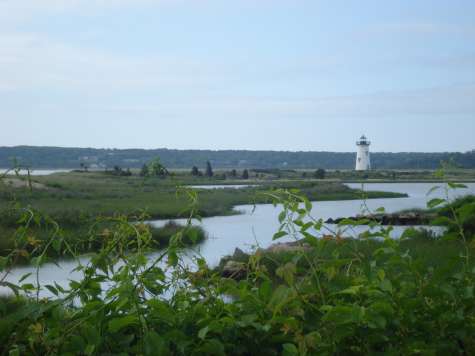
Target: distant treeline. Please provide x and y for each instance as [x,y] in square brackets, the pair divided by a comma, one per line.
[57,157]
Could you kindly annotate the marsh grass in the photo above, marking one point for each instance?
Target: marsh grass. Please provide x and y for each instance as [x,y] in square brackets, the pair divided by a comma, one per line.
[82,238]
[74,196]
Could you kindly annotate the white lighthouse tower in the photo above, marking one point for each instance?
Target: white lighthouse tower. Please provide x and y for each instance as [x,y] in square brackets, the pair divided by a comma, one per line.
[363,161]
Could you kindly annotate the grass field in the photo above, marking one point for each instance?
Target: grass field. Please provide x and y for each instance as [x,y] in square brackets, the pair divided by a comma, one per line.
[76,200]
[70,196]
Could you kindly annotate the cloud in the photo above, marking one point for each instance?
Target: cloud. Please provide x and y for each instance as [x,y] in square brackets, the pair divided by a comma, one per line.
[18,10]
[420,29]
[442,101]
[31,62]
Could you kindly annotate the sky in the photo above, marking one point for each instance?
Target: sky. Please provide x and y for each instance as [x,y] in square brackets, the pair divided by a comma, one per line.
[298,75]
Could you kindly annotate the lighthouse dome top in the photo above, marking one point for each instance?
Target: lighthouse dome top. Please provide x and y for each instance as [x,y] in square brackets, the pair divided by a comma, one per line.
[363,141]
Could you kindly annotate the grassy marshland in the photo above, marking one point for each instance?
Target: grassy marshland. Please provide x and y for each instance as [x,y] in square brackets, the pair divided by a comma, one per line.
[69,197]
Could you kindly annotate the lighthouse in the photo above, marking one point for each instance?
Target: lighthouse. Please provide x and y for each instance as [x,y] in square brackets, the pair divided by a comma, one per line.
[363,162]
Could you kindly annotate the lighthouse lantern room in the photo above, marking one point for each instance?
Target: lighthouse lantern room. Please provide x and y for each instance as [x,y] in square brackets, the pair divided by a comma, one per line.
[363,161]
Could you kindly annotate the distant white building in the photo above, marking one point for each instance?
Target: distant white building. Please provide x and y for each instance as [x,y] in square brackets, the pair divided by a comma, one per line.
[363,159]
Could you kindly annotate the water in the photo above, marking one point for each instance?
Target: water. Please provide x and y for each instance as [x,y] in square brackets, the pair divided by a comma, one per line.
[36,172]
[257,226]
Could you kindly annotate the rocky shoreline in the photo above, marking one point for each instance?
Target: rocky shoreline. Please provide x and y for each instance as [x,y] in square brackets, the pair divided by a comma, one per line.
[235,266]
[405,219]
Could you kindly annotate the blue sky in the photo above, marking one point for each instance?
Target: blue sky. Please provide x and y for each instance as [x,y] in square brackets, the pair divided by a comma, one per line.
[242,74]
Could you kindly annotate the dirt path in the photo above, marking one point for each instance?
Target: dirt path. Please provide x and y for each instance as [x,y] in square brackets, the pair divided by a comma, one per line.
[22,183]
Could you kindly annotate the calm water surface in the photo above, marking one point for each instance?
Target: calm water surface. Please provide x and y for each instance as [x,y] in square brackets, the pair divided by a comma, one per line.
[37,172]
[255,226]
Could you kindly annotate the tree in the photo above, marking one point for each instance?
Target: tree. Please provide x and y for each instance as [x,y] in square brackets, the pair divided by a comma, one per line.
[320,173]
[195,171]
[144,172]
[209,170]
[233,173]
[156,169]
[245,174]
[117,170]
[84,166]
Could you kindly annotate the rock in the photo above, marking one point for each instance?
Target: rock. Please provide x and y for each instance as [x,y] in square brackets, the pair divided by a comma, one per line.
[232,267]
[239,255]
[288,247]
[235,270]
[407,219]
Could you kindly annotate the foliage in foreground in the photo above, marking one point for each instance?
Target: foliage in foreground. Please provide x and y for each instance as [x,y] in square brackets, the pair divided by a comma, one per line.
[384,302]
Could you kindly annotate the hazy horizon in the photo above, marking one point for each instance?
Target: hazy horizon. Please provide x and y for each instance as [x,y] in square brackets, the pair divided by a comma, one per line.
[225,149]
[258,75]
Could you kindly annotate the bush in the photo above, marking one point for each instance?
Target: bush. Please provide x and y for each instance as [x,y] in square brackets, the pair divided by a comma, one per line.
[334,296]
[190,235]
[464,210]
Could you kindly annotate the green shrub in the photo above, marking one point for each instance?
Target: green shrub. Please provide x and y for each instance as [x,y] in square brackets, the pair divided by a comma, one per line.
[190,235]
[334,296]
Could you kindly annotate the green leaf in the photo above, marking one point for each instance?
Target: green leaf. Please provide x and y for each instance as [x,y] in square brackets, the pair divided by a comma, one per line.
[435,202]
[282,216]
[92,334]
[318,225]
[289,350]
[353,290]
[386,286]
[433,189]
[203,332]
[212,347]
[89,349]
[279,297]
[287,272]
[154,344]
[279,235]
[118,324]
[15,289]
[3,263]
[265,291]
[466,212]
[353,222]
[469,292]
[343,314]
[14,352]
[27,286]
[25,276]
[172,257]
[37,261]
[376,321]
[457,185]
[59,288]
[441,221]
[311,240]
[77,343]
[57,244]
[306,226]
[308,205]
[52,289]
